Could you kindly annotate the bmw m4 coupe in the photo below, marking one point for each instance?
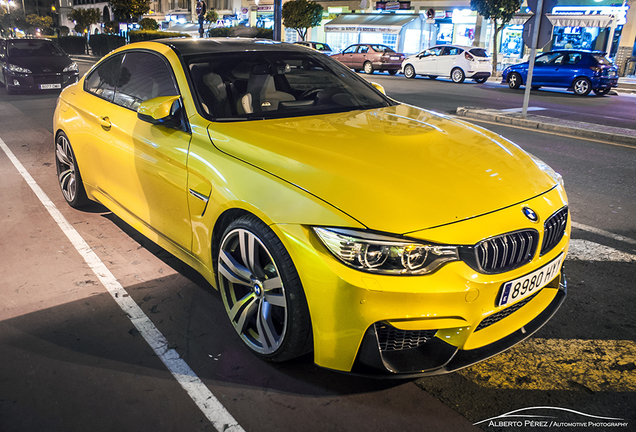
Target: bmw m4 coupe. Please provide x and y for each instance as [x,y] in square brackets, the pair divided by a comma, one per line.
[383,238]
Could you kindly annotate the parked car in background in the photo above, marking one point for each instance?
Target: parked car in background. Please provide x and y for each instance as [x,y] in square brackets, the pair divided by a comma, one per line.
[35,64]
[370,57]
[319,46]
[283,178]
[454,61]
[578,70]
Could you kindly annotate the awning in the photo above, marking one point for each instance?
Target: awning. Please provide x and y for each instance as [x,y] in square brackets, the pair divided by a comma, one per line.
[566,20]
[520,19]
[370,23]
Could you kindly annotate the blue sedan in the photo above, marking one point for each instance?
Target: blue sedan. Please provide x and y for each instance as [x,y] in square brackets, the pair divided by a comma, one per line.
[577,70]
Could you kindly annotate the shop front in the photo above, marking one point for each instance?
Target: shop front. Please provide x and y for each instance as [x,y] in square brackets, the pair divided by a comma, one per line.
[402,32]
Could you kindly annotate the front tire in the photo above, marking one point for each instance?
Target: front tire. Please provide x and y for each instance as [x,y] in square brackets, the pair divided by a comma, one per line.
[262,292]
[514,81]
[457,75]
[409,71]
[368,68]
[582,86]
[68,174]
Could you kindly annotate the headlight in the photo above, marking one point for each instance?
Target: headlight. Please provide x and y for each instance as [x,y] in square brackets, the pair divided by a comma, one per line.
[384,254]
[71,68]
[17,69]
[548,170]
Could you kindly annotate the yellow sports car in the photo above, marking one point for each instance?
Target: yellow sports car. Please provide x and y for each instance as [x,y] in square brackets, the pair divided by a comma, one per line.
[384,238]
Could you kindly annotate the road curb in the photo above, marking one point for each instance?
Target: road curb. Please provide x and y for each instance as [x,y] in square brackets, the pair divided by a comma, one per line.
[579,129]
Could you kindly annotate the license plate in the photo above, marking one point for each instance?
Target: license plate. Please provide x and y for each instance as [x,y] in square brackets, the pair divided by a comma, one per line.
[529,284]
[50,86]
[394,58]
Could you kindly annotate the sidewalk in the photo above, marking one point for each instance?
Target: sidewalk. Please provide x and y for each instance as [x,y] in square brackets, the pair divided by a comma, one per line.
[568,127]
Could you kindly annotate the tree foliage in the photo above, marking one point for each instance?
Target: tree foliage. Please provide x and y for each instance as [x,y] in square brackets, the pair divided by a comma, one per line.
[211,17]
[84,18]
[301,15]
[41,22]
[129,9]
[500,12]
[148,24]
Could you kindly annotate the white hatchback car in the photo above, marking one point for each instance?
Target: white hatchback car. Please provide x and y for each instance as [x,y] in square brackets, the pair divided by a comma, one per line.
[454,61]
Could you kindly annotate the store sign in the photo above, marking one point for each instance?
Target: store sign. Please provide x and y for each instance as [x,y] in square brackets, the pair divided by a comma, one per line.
[620,12]
[362,29]
[266,8]
[393,5]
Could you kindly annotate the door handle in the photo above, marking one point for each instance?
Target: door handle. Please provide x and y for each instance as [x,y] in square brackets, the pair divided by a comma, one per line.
[104,121]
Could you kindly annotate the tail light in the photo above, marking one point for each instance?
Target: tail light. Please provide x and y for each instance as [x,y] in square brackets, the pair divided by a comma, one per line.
[469,56]
[597,70]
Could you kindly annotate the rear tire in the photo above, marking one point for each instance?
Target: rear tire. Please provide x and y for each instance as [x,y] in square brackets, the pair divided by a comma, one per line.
[582,86]
[458,76]
[409,71]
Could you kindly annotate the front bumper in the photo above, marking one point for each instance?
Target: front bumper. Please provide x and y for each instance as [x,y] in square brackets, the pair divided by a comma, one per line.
[444,308]
[52,81]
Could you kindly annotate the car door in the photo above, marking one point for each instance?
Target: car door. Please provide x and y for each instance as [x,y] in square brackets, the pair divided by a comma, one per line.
[145,164]
[447,59]
[346,56]
[359,57]
[425,62]
[570,66]
[546,69]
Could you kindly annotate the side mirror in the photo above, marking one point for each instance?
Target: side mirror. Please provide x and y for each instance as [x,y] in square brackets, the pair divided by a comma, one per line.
[379,88]
[161,111]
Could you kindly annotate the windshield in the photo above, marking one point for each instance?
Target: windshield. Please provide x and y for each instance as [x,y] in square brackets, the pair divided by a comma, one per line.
[33,48]
[272,84]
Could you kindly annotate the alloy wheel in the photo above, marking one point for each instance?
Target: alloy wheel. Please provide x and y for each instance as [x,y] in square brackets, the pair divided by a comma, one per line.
[252,291]
[65,161]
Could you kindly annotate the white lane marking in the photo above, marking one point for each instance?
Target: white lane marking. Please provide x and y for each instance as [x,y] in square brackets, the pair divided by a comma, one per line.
[191,383]
[585,250]
[521,109]
[603,233]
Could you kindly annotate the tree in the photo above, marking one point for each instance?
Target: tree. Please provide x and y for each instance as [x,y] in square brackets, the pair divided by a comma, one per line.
[301,15]
[129,9]
[500,12]
[83,18]
[211,17]
[41,22]
[148,24]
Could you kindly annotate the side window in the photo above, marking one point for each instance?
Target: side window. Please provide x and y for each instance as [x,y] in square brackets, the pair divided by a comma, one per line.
[574,58]
[102,80]
[143,76]
[453,51]
[363,49]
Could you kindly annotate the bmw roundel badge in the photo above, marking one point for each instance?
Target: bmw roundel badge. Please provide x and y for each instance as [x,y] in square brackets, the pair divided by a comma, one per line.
[530,214]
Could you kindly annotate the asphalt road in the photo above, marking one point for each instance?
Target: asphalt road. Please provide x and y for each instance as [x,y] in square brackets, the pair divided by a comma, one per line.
[444,96]
[72,361]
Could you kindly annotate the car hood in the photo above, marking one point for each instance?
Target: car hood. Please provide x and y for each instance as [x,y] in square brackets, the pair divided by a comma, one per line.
[42,64]
[397,169]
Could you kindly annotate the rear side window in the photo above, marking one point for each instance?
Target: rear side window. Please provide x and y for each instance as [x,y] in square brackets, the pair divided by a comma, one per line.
[602,60]
[103,79]
[479,52]
[143,76]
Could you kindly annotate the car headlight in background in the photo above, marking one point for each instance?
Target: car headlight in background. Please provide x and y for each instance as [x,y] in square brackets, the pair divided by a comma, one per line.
[384,254]
[17,69]
[71,68]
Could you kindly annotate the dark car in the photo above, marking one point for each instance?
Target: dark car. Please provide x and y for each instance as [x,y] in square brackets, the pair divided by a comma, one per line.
[35,64]
[578,70]
[318,46]
[371,57]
